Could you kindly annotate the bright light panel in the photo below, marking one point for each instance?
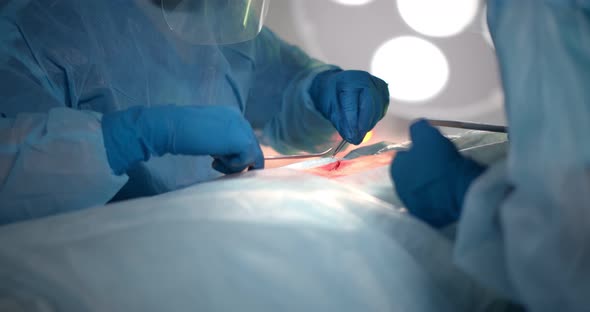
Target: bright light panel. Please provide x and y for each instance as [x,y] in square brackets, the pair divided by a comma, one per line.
[415,69]
[353,2]
[438,18]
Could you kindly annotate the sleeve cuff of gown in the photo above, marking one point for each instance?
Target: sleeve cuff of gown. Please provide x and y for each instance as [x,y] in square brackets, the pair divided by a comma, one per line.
[479,246]
[60,166]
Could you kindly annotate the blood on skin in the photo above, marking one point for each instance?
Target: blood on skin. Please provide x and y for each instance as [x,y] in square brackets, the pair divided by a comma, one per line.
[342,168]
[333,166]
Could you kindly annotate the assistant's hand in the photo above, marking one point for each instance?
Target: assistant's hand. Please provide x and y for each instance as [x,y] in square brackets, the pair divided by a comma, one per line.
[432,178]
[354,101]
[133,135]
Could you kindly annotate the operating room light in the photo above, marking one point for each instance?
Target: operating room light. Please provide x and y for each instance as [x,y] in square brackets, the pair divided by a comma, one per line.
[438,18]
[353,2]
[415,69]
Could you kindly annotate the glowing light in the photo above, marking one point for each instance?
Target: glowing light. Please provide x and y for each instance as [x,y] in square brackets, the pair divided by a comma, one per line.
[438,18]
[353,2]
[415,69]
[368,137]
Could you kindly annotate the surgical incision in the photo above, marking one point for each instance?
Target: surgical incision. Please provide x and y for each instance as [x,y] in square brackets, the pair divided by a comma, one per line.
[342,168]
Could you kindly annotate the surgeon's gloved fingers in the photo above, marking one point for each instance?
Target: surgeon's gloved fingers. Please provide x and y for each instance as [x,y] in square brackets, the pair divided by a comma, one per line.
[399,169]
[470,170]
[407,171]
[354,101]
[121,142]
[424,137]
[370,112]
[403,174]
[376,95]
[382,90]
[251,159]
[135,134]
[226,167]
[404,184]
[349,115]
[423,131]
[250,153]
[214,130]
[418,189]
[365,99]
[258,160]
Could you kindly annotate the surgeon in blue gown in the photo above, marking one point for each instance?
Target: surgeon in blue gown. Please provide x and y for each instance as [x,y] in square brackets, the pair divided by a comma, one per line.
[110,100]
[524,222]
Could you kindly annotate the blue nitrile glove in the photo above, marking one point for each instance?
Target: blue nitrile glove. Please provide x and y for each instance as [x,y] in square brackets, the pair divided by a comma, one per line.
[354,101]
[432,177]
[135,134]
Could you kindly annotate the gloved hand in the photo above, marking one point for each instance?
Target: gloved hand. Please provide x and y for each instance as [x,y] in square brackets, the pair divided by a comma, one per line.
[354,101]
[432,178]
[133,135]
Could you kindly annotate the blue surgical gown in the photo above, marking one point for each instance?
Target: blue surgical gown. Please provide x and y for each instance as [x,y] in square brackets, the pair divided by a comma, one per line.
[65,63]
[525,229]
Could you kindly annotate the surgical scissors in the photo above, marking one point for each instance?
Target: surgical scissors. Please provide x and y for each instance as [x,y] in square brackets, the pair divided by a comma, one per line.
[334,150]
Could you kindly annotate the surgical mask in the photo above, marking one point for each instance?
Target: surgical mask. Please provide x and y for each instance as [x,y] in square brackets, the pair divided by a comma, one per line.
[215,22]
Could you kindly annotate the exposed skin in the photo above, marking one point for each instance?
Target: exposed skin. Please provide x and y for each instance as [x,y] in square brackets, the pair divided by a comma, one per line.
[341,168]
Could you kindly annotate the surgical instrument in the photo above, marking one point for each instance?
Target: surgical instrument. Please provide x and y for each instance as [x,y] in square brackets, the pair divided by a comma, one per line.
[334,150]
[468,125]
[302,156]
[339,148]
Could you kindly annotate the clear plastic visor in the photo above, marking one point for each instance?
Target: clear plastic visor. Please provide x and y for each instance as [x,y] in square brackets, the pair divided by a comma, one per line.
[215,22]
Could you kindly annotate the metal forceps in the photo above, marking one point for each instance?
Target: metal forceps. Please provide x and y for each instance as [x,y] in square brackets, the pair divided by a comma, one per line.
[468,125]
[332,151]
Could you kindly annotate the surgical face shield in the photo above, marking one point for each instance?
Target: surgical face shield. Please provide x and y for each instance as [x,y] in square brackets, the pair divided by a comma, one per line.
[215,22]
